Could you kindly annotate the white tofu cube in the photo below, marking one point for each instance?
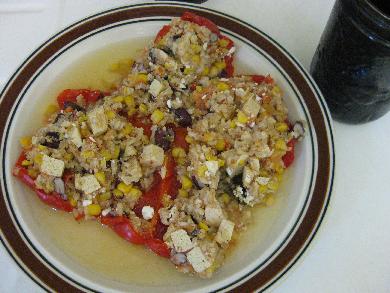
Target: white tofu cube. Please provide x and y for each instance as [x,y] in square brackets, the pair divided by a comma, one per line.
[212,167]
[155,88]
[225,232]
[251,107]
[87,183]
[51,166]
[181,241]
[147,212]
[152,156]
[213,215]
[197,259]
[131,171]
[75,136]
[97,121]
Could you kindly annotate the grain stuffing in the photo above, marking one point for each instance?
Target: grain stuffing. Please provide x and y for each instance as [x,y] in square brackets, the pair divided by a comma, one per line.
[176,157]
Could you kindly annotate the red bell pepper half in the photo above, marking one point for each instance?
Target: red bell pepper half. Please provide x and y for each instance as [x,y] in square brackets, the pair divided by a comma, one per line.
[52,199]
[70,95]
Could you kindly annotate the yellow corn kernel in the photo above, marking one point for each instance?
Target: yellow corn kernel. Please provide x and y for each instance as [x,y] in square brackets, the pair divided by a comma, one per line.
[183,193]
[195,59]
[223,43]
[262,188]
[117,193]
[220,145]
[116,152]
[38,159]
[273,185]
[232,124]
[131,111]
[220,65]
[212,268]
[25,142]
[211,157]
[225,198]
[241,163]
[198,88]
[101,177]
[26,163]
[205,71]
[213,71]
[241,117]
[118,99]
[141,77]
[178,152]
[221,162]
[279,169]
[72,202]
[202,170]
[189,139]
[110,114]
[186,183]
[181,161]
[94,210]
[203,226]
[123,187]
[196,48]
[87,154]
[135,193]
[104,196]
[106,154]
[51,109]
[280,144]
[41,147]
[33,173]
[208,136]
[127,129]
[188,70]
[157,116]
[84,132]
[222,86]
[82,118]
[281,127]
[129,101]
[143,108]
[276,91]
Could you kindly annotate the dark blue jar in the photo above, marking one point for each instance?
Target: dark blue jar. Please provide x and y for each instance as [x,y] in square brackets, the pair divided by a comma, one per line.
[352,62]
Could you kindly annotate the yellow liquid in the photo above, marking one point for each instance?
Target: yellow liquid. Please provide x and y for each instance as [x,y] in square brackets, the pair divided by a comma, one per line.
[97,248]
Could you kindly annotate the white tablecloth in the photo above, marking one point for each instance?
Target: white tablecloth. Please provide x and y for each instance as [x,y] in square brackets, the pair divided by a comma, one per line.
[351,252]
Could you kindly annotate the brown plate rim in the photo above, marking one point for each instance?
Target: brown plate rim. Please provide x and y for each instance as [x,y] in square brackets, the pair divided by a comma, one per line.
[302,236]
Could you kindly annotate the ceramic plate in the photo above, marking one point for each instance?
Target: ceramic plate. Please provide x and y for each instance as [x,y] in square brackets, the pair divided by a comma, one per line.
[271,246]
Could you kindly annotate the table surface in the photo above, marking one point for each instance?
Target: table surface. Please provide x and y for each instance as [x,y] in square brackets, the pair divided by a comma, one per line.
[352,249]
